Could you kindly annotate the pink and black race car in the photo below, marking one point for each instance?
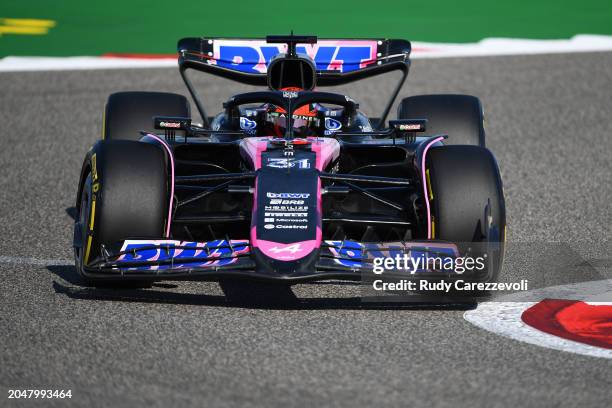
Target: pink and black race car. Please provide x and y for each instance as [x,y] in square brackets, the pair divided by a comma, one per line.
[288,183]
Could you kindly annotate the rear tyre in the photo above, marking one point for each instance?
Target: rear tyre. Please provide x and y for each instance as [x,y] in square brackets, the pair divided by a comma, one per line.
[123,194]
[127,113]
[467,200]
[459,116]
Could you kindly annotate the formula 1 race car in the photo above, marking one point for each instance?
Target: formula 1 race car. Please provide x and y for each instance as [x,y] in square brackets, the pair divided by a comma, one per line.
[288,183]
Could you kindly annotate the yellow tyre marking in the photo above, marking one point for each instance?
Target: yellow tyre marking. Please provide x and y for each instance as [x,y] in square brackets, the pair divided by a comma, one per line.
[93,214]
[94,170]
[92,217]
[86,259]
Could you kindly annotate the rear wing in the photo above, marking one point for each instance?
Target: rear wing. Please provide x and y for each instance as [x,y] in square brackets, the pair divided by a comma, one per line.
[337,61]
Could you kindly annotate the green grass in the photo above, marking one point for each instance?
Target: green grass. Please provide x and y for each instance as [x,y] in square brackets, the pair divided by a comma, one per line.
[93,28]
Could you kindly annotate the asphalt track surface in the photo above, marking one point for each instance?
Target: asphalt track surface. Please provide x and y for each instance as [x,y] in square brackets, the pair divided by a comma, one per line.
[179,344]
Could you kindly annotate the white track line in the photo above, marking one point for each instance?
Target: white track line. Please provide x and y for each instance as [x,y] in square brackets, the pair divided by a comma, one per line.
[9,64]
[34,261]
[512,46]
[421,50]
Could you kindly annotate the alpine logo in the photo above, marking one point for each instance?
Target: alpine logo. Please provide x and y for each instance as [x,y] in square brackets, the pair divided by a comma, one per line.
[293,248]
[248,125]
[332,126]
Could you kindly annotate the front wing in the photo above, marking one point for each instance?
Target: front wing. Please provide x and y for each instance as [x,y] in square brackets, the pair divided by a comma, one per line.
[167,259]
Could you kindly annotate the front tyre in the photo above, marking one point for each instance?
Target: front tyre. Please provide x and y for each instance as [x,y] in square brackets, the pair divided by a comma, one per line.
[467,200]
[123,194]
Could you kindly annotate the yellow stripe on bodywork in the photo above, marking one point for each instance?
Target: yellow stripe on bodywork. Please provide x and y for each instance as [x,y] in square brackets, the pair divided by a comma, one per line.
[433,228]
[429,185]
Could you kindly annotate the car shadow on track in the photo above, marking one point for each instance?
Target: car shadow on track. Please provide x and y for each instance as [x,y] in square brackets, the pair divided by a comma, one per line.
[236,293]
[71,212]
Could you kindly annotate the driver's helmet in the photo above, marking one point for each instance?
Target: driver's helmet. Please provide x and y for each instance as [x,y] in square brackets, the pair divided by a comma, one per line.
[305,119]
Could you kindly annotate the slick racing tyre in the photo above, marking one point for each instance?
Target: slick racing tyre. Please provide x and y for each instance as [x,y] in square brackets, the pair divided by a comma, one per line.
[127,113]
[123,194]
[466,200]
[458,116]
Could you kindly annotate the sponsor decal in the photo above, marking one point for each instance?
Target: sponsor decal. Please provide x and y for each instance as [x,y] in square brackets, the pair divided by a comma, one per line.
[253,56]
[249,126]
[286,214]
[285,208]
[288,163]
[286,202]
[347,253]
[292,248]
[410,126]
[290,94]
[287,195]
[166,122]
[182,254]
[332,126]
[290,211]
[172,125]
[292,220]
[360,255]
[276,201]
